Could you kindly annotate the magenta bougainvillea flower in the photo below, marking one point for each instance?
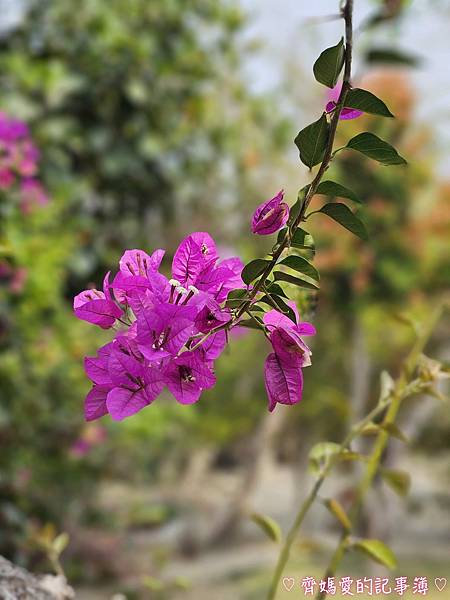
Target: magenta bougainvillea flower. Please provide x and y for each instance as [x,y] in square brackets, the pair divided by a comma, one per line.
[346,113]
[97,307]
[283,368]
[270,216]
[169,332]
[161,322]
[19,160]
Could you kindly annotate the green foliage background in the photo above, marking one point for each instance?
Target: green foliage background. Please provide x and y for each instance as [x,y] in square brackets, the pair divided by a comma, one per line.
[148,131]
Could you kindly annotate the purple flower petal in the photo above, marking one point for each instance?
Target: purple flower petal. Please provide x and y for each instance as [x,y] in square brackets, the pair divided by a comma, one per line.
[86,296]
[138,262]
[97,370]
[284,381]
[124,368]
[213,346]
[99,312]
[305,329]
[333,97]
[95,402]
[187,375]
[187,262]
[123,402]
[270,216]
[288,345]
[206,244]
[168,326]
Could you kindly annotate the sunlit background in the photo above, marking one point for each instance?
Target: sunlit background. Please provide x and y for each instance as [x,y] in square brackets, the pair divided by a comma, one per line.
[156,119]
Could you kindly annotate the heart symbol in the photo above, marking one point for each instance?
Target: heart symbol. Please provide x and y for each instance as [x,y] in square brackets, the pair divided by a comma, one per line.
[289,583]
[440,583]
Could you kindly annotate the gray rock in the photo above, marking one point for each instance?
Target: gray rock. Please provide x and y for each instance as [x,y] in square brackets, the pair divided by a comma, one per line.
[18,584]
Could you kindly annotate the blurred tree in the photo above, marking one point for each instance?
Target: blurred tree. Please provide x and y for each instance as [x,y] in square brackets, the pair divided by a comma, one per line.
[140,113]
[140,105]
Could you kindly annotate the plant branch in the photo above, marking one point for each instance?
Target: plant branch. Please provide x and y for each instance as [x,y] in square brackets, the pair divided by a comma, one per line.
[347,14]
[391,402]
[373,464]
[293,532]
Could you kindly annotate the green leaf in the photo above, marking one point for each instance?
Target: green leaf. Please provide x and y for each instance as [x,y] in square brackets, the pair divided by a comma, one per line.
[376,148]
[329,65]
[253,323]
[153,584]
[338,511]
[321,453]
[399,481]
[367,102]
[344,216]
[281,305]
[297,206]
[60,543]
[309,285]
[276,289]
[300,264]
[331,188]
[253,269]
[236,297]
[268,525]
[393,430]
[302,239]
[312,141]
[378,551]
[278,304]
[387,385]
[391,56]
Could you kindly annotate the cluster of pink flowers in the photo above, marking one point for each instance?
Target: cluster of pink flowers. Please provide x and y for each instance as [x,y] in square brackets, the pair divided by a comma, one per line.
[19,160]
[164,321]
[170,331]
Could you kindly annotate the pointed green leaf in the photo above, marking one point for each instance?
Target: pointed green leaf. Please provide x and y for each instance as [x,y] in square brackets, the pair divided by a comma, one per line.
[387,385]
[280,305]
[300,264]
[376,148]
[268,525]
[302,239]
[331,188]
[253,269]
[274,288]
[392,56]
[399,481]
[338,511]
[344,216]
[252,323]
[309,285]
[312,141]
[297,206]
[394,431]
[329,65]
[321,453]
[60,543]
[236,297]
[378,551]
[367,102]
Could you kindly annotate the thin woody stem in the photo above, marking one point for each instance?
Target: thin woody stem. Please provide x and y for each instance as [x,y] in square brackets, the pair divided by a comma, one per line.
[392,403]
[347,14]
[293,532]
[381,441]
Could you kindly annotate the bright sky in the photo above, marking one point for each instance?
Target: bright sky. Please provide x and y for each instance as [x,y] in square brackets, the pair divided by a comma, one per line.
[283,27]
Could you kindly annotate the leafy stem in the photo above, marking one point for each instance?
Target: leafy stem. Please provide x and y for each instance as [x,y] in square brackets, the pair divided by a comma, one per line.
[399,392]
[347,14]
[390,401]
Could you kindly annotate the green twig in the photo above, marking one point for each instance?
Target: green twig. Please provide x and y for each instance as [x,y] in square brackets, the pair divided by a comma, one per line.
[373,463]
